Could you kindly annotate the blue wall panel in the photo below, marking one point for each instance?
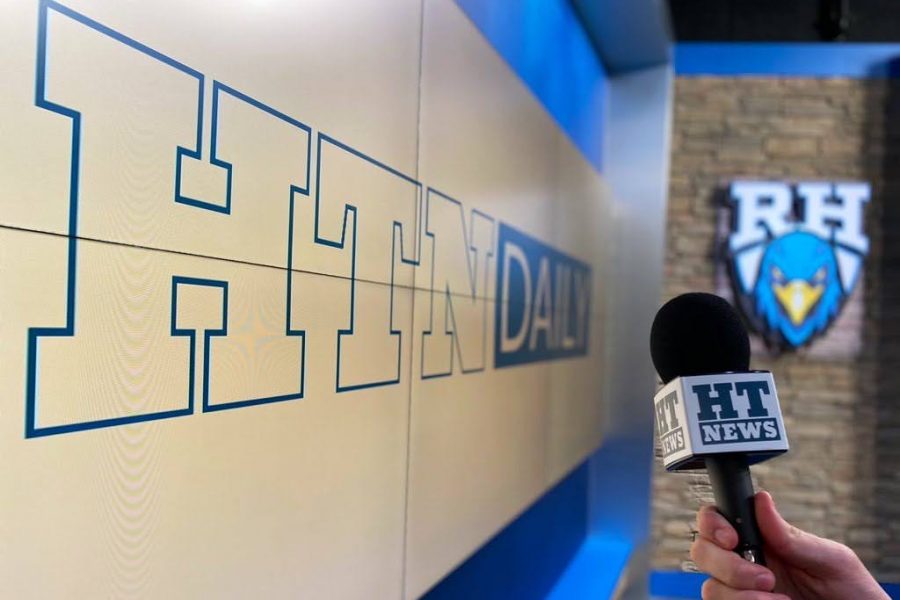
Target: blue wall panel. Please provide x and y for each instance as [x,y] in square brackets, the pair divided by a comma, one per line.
[525,559]
[787,60]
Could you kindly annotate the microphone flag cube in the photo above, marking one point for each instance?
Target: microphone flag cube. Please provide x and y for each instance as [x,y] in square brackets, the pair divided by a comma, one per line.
[726,413]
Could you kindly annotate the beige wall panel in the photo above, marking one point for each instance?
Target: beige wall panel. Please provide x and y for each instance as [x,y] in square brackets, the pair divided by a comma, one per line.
[271,500]
[486,443]
[206,134]
[584,227]
[487,141]
[258,82]
[577,405]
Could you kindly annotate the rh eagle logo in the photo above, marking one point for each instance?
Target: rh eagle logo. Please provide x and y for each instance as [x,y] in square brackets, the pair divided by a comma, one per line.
[795,254]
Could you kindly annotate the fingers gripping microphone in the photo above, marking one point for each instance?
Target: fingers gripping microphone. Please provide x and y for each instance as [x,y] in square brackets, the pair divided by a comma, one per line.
[712,410]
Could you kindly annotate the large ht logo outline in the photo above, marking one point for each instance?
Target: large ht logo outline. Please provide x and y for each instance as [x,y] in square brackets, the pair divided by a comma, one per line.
[337,214]
[179,283]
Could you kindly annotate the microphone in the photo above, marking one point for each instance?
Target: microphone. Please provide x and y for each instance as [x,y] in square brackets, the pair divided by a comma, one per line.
[712,410]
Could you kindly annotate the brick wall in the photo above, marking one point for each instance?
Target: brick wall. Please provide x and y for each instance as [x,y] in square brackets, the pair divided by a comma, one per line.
[841,396]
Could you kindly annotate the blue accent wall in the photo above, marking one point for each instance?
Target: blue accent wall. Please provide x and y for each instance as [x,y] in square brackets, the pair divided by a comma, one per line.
[629,34]
[678,585]
[526,559]
[788,60]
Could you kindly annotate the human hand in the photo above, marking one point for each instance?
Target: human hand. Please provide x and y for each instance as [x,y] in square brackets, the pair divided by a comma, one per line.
[801,566]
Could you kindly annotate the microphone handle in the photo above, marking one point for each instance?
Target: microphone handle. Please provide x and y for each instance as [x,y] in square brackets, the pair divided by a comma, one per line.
[732,487]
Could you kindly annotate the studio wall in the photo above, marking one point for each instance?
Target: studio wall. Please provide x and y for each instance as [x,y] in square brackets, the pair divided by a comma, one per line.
[299,300]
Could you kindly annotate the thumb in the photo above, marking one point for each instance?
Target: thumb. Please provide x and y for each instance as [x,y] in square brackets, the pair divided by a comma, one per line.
[791,544]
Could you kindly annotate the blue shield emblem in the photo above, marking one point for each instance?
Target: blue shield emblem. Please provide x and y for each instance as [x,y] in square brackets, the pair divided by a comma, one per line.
[795,254]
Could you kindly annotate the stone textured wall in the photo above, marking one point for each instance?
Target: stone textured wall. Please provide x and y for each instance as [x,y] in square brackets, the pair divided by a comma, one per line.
[841,399]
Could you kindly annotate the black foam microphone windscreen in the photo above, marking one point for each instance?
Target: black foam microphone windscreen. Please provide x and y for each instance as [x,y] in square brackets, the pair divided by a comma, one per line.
[698,334]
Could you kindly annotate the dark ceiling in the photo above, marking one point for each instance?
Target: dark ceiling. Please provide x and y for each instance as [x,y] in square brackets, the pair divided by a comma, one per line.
[786,20]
